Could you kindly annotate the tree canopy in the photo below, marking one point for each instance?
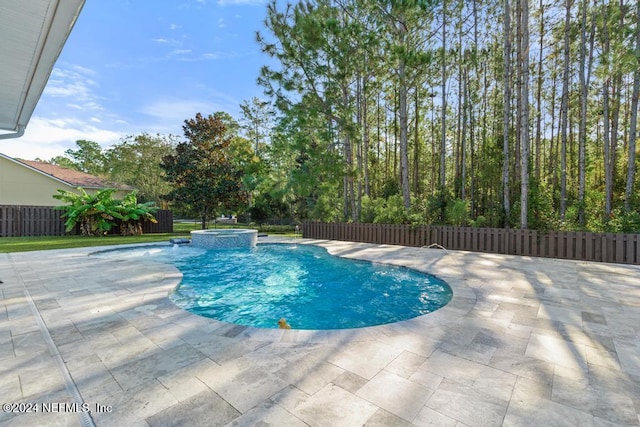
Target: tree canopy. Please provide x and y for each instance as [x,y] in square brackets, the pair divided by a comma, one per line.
[494,113]
[205,181]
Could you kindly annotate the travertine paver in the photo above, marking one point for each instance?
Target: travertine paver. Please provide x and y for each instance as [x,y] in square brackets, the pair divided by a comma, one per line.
[525,341]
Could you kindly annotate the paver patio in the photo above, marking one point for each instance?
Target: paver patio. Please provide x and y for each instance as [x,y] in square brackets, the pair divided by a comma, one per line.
[524,341]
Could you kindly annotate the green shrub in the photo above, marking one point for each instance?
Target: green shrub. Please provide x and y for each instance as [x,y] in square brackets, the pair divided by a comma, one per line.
[133,214]
[97,214]
[623,222]
[458,213]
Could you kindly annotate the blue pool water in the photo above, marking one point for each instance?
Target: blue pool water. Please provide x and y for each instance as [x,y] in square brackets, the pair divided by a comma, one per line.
[302,283]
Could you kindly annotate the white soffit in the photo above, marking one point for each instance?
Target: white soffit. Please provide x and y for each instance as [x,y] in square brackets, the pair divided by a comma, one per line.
[32,34]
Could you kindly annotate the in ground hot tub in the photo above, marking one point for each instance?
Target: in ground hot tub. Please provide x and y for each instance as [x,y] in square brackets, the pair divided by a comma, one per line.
[225,238]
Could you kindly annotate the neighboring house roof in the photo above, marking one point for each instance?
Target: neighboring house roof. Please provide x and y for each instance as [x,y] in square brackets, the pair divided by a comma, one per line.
[70,177]
[32,34]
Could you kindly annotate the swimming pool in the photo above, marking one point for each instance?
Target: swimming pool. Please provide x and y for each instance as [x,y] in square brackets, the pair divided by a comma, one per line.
[302,283]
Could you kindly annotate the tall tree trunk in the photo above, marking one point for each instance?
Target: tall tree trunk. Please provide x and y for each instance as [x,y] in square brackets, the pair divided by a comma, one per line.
[463,135]
[608,184]
[617,101]
[416,144]
[631,160]
[582,127]
[443,145]
[349,190]
[523,94]
[404,139]
[539,94]
[458,135]
[608,162]
[564,111]
[506,201]
[365,135]
[359,149]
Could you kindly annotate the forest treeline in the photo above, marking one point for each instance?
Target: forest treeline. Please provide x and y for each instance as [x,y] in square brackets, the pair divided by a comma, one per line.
[511,113]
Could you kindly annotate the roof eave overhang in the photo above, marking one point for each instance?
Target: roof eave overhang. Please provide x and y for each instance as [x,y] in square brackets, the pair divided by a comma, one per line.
[49,27]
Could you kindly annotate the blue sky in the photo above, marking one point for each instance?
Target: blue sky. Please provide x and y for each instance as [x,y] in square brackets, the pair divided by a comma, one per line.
[145,66]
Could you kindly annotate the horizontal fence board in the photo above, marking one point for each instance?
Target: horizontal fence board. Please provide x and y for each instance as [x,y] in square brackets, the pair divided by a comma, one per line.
[21,221]
[581,246]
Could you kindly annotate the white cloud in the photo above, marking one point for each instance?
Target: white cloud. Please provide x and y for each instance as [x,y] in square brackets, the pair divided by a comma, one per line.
[47,138]
[179,52]
[74,82]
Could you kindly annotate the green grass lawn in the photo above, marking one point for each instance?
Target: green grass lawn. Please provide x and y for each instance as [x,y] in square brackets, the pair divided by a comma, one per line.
[181,230]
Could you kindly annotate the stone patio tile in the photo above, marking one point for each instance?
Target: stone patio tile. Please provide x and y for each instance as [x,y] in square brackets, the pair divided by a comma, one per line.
[560,314]
[289,398]
[467,405]
[425,378]
[91,375]
[309,374]
[162,337]
[240,384]
[134,406]
[350,382]
[65,334]
[557,351]
[138,372]
[406,364]
[265,358]
[415,342]
[204,409]
[377,356]
[429,417]
[267,414]
[37,382]
[10,388]
[602,403]
[30,342]
[545,412]
[479,353]
[395,394]
[383,418]
[183,383]
[249,388]
[76,350]
[452,367]
[629,356]
[116,354]
[603,357]
[333,406]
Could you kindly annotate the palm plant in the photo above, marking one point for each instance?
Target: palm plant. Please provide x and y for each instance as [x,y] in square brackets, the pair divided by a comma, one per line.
[96,213]
[133,214]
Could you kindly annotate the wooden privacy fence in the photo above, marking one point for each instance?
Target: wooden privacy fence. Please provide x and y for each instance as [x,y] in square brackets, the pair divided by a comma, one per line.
[585,246]
[17,221]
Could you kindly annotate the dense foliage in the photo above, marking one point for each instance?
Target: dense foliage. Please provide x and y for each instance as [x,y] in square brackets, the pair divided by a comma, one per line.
[204,179]
[483,113]
[524,114]
[99,213]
